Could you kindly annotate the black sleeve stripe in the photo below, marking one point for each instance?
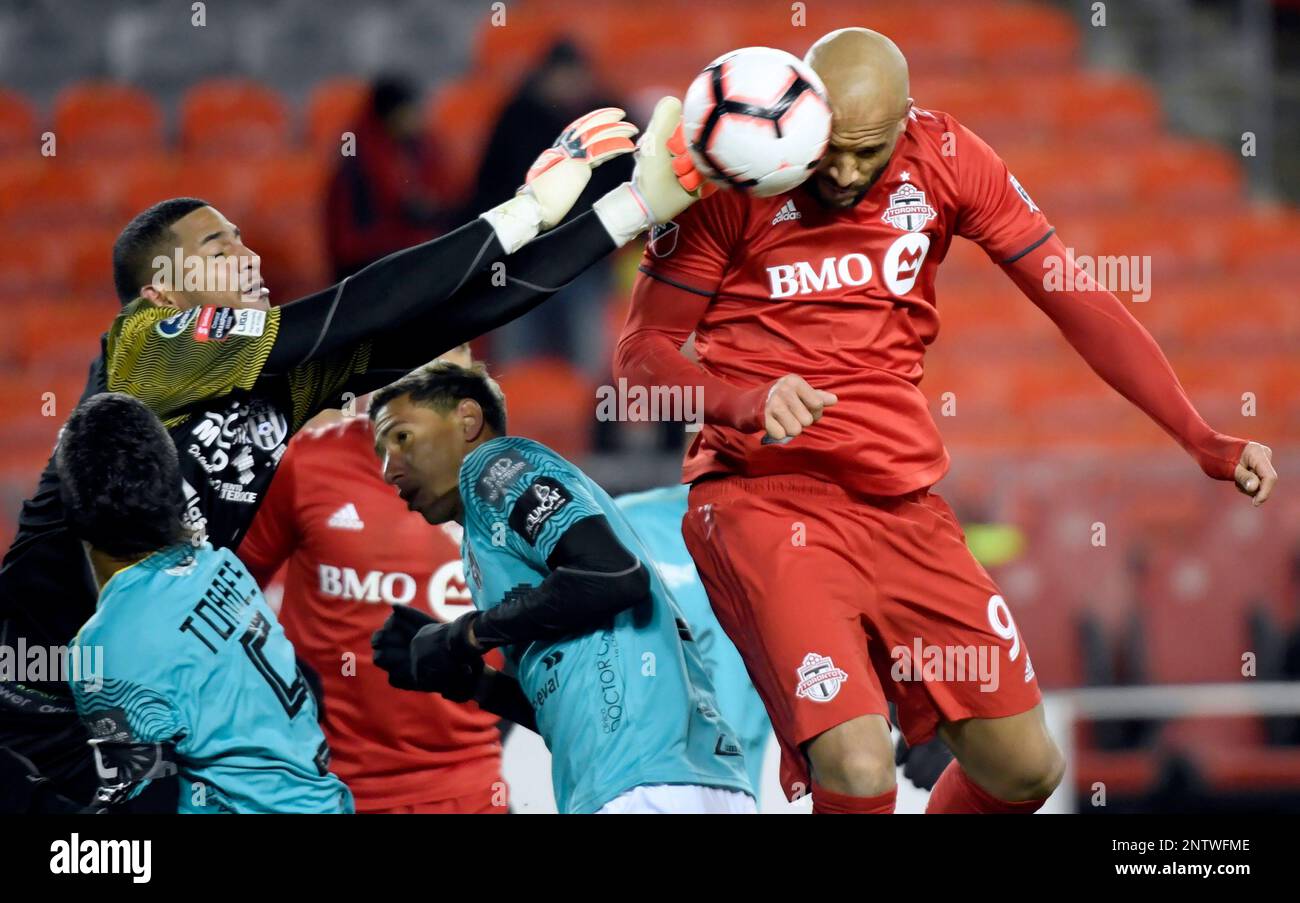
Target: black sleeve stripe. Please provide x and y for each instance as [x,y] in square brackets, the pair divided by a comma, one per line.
[673,282]
[1015,257]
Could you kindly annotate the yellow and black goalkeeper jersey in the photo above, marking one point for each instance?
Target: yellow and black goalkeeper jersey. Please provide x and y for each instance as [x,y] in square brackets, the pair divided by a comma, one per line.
[171,360]
[202,372]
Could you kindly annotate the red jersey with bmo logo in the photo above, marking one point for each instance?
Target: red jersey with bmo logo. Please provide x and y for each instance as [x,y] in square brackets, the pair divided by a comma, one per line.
[353,551]
[844,298]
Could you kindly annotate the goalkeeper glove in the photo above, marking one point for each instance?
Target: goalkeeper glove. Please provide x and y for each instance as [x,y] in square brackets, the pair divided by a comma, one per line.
[664,183]
[424,654]
[557,177]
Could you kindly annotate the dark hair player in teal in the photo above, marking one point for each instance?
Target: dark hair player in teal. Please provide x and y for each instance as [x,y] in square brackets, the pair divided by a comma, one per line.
[608,672]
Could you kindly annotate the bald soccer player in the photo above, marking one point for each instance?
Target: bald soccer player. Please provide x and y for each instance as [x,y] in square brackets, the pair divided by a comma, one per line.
[812,522]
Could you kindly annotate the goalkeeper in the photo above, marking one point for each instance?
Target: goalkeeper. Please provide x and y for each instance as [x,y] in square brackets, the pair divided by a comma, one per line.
[232,378]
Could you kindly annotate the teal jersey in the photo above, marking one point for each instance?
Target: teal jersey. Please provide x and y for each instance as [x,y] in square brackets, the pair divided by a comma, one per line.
[193,656]
[627,705]
[656,516]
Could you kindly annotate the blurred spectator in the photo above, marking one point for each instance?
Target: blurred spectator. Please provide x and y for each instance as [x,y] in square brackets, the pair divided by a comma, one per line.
[560,89]
[389,195]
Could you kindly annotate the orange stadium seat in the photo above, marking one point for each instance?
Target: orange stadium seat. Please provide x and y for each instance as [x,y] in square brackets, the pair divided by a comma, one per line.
[27,264]
[1030,38]
[466,110]
[18,132]
[228,184]
[1264,246]
[57,193]
[548,400]
[233,117]
[289,188]
[102,119]
[332,109]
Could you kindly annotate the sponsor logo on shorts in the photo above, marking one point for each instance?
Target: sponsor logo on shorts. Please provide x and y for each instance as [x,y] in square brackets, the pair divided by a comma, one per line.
[819,679]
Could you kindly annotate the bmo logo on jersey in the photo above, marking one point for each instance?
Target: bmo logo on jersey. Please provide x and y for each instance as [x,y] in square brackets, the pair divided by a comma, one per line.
[447,594]
[899,269]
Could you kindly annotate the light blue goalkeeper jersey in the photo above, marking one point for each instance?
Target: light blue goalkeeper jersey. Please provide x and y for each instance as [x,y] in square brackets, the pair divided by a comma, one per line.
[627,705]
[656,515]
[194,656]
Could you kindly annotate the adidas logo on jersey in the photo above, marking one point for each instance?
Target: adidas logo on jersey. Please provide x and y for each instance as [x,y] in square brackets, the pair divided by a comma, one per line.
[787,212]
[346,518]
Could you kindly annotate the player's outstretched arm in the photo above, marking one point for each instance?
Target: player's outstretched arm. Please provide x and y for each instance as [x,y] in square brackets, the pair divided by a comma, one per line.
[664,183]
[1125,355]
[421,281]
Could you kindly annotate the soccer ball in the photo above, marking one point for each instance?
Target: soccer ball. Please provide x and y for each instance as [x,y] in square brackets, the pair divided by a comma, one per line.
[757,119]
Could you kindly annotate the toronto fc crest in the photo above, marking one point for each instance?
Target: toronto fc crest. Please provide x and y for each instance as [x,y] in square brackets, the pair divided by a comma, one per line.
[819,679]
[907,209]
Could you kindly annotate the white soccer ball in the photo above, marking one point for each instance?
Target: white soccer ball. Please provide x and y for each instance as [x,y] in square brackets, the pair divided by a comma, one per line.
[757,119]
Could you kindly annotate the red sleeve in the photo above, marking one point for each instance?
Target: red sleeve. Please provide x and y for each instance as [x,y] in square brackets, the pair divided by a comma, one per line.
[1125,355]
[274,533]
[695,249]
[681,269]
[996,212]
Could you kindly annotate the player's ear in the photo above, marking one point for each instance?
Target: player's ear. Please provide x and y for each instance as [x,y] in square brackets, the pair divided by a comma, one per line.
[470,414]
[157,296]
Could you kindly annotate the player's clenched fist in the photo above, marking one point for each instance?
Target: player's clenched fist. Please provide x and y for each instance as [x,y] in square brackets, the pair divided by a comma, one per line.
[791,405]
[1255,475]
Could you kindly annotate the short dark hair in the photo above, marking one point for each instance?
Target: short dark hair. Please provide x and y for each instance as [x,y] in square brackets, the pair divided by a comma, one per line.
[142,240]
[119,477]
[442,385]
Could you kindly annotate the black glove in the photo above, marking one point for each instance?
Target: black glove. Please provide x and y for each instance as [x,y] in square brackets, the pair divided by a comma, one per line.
[24,791]
[421,653]
[922,764]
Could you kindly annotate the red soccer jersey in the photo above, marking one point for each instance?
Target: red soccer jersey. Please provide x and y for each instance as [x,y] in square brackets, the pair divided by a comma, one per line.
[844,298]
[353,550]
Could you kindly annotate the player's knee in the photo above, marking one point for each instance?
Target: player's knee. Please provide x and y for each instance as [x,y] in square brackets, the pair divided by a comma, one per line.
[854,772]
[1036,777]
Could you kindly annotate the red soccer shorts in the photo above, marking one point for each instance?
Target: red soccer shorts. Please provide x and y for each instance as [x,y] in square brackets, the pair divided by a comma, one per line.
[840,604]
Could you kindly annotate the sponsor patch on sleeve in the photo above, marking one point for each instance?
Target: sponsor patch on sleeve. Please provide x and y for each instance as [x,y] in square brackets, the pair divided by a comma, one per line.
[251,323]
[216,324]
[176,324]
[534,508]
[109,724]
[499,475]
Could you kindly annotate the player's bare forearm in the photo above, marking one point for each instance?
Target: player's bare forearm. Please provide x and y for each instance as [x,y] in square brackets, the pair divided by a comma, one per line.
[1123,353]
